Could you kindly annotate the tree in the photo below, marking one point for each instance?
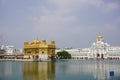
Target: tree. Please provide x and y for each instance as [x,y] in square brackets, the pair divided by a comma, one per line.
[2,51]
[63,55]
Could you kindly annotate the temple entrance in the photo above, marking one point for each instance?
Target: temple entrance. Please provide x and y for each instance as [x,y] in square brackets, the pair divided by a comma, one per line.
[102,56]
[36,57]
[98,55]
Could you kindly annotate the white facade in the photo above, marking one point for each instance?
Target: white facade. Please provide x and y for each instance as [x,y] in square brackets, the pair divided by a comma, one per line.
[98,50]
[43,57]
[10,49]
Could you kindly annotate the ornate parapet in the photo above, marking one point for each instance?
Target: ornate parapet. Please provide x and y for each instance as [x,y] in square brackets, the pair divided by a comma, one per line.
[37,47]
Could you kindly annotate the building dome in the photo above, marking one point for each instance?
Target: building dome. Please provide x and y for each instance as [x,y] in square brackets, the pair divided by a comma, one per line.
[36,41]
[26,42]
[52,42]
[100,37]
[44,41]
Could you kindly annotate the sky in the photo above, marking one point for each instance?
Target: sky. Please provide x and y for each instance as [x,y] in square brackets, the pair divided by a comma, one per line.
[71,23]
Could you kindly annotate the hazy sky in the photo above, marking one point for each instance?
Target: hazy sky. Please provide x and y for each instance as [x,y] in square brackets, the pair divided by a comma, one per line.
[71,23]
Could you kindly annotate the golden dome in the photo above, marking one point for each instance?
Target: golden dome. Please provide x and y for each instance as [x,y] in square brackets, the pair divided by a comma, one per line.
[26,41]
[100,37]
[36,41]
[52,41]
[43,41]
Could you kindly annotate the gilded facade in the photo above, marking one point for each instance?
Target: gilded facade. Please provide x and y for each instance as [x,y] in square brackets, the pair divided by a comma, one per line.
[36,48]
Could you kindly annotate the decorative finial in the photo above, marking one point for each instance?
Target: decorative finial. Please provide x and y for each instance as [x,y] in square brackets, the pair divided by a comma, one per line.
[100,37]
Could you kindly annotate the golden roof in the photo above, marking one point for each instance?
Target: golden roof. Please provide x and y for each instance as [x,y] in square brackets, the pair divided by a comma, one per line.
[52,40]
[25,41]
[36,41]
[100,37]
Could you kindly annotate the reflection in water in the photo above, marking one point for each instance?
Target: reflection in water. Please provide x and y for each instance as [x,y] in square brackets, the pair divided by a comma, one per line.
[39,71]
[88,70]
[10,70]
[103,68]
[61,70]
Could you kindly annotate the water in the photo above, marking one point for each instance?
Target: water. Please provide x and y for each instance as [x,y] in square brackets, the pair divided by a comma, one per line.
[61,70]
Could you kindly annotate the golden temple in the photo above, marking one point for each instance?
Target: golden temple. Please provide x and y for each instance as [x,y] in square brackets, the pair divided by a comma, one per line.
[36,48]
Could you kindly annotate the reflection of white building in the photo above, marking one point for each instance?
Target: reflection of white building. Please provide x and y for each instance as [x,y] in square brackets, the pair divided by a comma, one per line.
[98,50]
[98,69]
[10,49]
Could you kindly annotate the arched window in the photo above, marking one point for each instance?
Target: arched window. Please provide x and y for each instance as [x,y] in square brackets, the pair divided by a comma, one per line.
[42,52]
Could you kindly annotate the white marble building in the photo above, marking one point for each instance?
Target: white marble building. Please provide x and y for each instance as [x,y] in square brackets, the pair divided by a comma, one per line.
[10,49]
[98,50]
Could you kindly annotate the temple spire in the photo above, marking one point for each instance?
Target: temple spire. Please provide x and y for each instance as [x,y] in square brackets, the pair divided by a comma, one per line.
[100,37]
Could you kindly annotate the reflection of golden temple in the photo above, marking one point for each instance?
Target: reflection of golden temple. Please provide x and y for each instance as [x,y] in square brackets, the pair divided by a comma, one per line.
[39,71]
[35,48]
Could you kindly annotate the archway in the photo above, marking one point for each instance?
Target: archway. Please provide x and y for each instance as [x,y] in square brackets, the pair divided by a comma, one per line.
[98,55]
[102,56]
